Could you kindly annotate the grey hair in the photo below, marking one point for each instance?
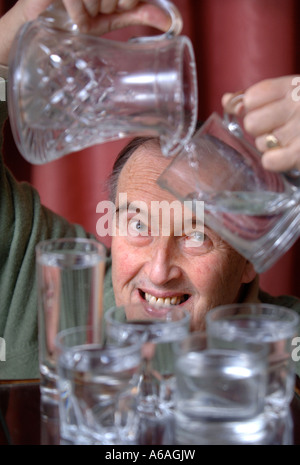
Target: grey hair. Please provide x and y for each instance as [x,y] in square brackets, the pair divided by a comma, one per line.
[124,155]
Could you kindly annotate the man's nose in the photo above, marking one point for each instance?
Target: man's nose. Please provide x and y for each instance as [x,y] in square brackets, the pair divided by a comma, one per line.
[163,266]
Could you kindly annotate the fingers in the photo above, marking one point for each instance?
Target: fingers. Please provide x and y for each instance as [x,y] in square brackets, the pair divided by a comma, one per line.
[278,115]
[92,6]
[101,16]
[286,156]
[266,91]
[78,13]
[283,159]
[272,111]
[13,20]
[285,134]
[268,117]
[106,6]
[85,12]
[143,14]
[233,103]
[127,4]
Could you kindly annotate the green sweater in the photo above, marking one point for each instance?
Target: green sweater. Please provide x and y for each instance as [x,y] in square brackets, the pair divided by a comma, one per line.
[23,223]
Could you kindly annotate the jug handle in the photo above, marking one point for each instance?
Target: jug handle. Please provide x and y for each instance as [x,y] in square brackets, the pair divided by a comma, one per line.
[57,14]
[232,124]
[176,21]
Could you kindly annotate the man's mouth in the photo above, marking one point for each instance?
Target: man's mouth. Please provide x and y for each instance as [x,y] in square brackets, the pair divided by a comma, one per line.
[164,301]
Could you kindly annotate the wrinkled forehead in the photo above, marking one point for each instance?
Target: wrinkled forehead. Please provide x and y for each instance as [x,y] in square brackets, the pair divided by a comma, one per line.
[138,178]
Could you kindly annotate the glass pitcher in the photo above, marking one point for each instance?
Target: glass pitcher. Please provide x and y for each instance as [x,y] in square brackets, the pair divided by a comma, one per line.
[68,90]
[256,211]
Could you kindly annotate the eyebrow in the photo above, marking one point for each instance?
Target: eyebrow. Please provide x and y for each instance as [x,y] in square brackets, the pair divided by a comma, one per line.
[125,208]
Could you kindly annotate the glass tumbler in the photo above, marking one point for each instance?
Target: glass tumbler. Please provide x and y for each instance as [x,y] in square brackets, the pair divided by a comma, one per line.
[70,278]
[274,326]
[220,394]
[96,388]
[157,333]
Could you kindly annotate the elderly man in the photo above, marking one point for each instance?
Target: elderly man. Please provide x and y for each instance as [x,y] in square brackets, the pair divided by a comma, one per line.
[159,269]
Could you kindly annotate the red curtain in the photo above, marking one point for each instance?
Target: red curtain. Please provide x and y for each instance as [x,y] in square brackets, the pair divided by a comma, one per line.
[237,43]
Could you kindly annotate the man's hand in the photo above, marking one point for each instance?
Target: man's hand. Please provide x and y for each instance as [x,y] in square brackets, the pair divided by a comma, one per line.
[272,116]
[91,16]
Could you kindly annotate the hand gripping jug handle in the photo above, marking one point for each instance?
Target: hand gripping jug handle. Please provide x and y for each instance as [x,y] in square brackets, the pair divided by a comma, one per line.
[292,176]
[57,16]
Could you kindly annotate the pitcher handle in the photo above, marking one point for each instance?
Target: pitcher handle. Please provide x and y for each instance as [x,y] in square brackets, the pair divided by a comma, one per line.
[176,21]
[57,14]
[232,124]
[229,117]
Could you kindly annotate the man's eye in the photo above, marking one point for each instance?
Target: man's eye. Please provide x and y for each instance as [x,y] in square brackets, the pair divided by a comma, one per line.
[137,227]
[198,242]
[197,236]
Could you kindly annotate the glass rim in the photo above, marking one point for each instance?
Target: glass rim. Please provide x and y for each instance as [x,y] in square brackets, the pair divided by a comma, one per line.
[290,316]
[217,355]
[43,245]
[184,131]
[199,342]
[100,346]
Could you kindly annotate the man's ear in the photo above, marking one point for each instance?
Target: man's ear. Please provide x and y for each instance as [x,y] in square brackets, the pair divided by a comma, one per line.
[249,273]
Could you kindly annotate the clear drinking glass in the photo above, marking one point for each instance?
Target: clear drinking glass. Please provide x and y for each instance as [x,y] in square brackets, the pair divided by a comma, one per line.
[68,90]
[256,211]
[70,277]
[156,384]
[220,394]
[97,388]
[276,327]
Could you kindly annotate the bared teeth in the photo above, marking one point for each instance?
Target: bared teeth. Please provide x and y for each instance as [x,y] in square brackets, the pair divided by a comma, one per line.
[160,301]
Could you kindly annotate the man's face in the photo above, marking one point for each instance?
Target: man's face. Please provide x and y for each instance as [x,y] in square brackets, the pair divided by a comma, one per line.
[169,269]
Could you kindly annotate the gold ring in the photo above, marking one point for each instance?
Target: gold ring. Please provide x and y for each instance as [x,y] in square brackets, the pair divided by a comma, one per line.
[272,142]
